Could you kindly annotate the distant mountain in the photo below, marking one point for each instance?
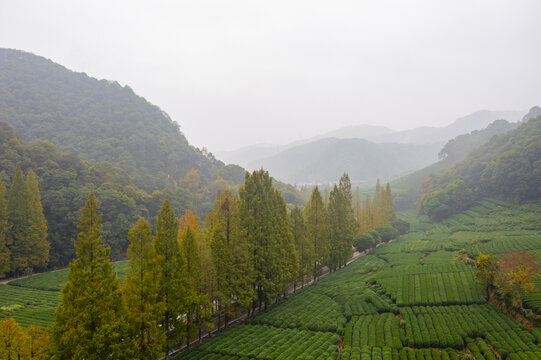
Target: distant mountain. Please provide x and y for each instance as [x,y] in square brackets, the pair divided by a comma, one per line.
[99,120]
[252,157]
[327,159]
[507,167]
[362,131]
[532,114]
[406,188]
[464,125]
[247,155]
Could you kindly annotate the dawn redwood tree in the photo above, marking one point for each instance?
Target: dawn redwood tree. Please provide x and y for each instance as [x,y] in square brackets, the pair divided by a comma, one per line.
[339,229]
[303,247]
[231,257]
[193,294]
[5,254]
[141,297]
[288,266]
[172,276]
[261,214]
[37,225]
[91,322]
[195,249]
[350,225]
[18,219]
[317,227]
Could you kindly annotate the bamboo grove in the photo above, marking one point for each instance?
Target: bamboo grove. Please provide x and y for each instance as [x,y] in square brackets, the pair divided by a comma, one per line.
[185,280]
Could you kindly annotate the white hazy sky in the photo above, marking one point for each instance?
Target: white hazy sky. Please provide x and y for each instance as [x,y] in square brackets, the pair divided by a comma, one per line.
[234,73]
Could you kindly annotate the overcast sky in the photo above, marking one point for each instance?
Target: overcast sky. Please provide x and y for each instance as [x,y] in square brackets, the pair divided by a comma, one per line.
[234,73]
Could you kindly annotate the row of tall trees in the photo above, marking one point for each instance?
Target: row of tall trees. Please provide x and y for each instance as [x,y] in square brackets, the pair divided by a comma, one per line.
[23,229]
[375,211]
[184,280]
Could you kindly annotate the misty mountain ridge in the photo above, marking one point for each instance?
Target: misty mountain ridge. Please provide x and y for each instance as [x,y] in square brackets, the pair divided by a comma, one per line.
[325,160]
[251,157]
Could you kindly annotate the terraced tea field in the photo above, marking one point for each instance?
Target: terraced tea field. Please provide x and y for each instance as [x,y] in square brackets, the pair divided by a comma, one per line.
[404,301]
[33,300]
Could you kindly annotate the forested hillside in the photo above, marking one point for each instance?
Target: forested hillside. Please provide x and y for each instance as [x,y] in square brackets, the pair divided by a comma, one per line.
[65,181]
[407,187]
[99,120]
[508,167]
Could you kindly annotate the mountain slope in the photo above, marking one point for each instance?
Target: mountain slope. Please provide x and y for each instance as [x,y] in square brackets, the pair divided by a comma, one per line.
[425,135]
[508,166]
[98,120]
[252,157]
[406,188]
[327,159]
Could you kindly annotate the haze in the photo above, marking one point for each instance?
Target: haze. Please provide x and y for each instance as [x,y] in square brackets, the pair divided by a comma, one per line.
[235,73]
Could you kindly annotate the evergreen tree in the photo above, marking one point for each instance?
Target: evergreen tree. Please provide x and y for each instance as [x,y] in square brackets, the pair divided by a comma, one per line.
[37,225]
[390,213]
[304,249]
[288,265]
[193,296]
[18,219]
[258,221]
[91,322]
[349,223]
[140,290]
[231,257]
[336,219]
[317,230]
[196,251]
[172,275]
[5,254]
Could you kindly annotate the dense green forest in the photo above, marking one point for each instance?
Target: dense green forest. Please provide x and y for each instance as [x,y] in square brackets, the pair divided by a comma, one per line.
[80,134]
[65,182]
[99,120]
[406,188]
[508,167]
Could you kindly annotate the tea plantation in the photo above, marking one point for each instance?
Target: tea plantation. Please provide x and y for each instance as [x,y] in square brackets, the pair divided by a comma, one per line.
[33,300]
[406,300]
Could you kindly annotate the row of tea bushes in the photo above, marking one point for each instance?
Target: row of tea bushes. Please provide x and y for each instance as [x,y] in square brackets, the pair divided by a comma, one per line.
[402,270]
[434,289]
[306,310]
[449,326]
[264,342]
[375,330]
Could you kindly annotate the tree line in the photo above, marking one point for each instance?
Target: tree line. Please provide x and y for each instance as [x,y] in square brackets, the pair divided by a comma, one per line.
[23,229]
[507,167]
[184,279]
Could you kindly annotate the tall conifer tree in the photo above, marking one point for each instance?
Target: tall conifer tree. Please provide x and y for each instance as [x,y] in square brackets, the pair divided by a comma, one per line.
[141,297]
[193,295]
[231,256]
[37,225]
[289,262]
[304,249]
[18,218]
[261,227]
[5,254]
[172,275]
[317,227]
[199,270]
[91,322]
[350,225]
